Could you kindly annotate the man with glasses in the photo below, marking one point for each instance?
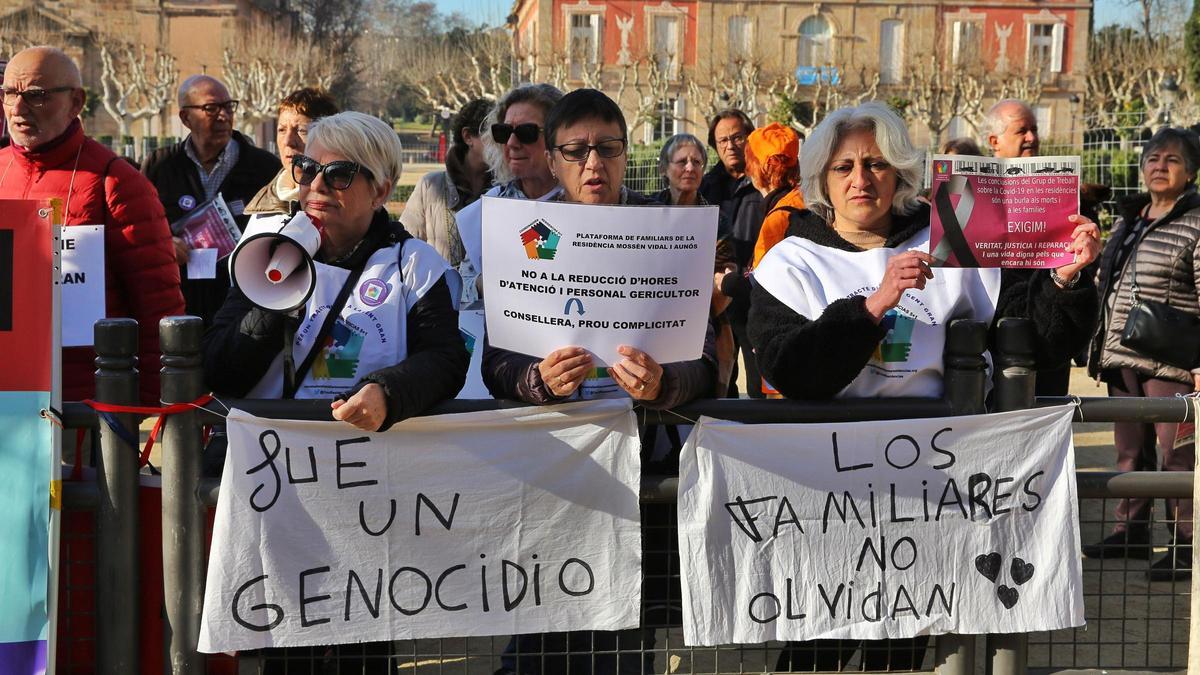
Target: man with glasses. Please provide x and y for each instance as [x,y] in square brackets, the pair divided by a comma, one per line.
[740,220]
[213,159]
[51,158]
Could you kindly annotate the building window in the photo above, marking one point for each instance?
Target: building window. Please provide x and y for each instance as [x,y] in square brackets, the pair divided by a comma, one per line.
[1045,119]
[740,38]
[666,120]
[816,43]
[1045,47]
[666,43]
[966,46]
[584,45]
[891,51]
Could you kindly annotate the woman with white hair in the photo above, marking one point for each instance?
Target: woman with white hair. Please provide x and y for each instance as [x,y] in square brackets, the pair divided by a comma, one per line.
[848,306]
[393,349]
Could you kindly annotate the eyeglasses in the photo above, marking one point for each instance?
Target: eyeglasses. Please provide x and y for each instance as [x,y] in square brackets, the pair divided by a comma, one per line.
[338,175]
[526,133]
[34,98]
[213,109]
[578,152]
[684,162]
[735,140]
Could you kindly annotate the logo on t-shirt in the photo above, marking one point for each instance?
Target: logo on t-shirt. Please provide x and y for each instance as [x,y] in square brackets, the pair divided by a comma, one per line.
[896,345]
[540,240]
[339,354]
[373,292]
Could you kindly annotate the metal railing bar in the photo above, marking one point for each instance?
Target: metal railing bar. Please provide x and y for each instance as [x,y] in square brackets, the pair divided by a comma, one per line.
[1125,409]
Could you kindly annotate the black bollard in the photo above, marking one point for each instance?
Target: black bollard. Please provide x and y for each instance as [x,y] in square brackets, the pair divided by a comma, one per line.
[1016,382]
[1016,377]
[965,366]
[117,569]
[182,513]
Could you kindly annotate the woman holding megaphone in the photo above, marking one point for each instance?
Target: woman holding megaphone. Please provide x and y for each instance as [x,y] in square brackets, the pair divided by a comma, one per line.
[376,328]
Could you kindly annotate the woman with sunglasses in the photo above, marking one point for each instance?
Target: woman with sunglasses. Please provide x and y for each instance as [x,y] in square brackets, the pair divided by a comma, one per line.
[399,313]
[516,153]
[586,137]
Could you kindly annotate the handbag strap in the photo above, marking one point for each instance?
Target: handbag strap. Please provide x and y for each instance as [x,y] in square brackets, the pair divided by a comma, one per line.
[335,311]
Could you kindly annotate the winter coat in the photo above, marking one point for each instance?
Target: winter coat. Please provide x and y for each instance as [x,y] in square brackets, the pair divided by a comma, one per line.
[174,175]
[141,280]
[244,340]
[775,223]
[268,200]
[429,215]
[1166,270]
[809,358]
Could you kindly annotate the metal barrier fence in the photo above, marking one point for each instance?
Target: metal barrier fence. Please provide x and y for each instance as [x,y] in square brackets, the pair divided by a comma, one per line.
[1159,614]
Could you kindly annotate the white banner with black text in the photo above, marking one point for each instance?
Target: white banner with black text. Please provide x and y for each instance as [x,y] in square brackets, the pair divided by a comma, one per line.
[492,523]
[872,530]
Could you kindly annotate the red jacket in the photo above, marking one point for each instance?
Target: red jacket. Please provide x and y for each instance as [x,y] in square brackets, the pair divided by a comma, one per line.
[141,277]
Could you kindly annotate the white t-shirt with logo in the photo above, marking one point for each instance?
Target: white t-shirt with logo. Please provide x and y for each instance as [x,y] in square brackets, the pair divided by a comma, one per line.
[808,277]
[371,331]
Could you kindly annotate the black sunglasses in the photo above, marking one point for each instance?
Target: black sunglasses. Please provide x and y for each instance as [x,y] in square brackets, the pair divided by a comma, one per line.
[526,133]
[338,175]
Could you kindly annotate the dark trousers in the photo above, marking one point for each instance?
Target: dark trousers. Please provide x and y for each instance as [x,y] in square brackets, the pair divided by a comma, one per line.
[742,345]
[904,654]
[1135,443]
[1053,381]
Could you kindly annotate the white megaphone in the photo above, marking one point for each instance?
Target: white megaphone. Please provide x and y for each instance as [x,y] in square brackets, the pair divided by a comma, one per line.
[273,261]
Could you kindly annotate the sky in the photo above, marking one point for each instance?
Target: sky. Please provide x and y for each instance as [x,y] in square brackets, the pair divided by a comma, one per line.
[494,11]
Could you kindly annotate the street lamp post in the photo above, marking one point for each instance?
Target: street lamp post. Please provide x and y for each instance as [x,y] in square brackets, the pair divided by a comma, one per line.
[1169,89]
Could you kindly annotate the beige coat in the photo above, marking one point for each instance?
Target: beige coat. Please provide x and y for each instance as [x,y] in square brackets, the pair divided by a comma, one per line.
[1167,270]
[429,215]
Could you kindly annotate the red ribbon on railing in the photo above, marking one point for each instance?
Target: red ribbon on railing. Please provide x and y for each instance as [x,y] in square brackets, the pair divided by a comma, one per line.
[160,411]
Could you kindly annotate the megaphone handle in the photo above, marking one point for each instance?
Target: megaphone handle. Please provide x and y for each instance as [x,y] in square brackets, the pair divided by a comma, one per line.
[290,319]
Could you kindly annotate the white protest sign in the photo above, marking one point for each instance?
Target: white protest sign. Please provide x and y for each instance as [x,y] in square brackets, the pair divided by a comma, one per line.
[598,277]
[83,300]
[491,523]
[872,530]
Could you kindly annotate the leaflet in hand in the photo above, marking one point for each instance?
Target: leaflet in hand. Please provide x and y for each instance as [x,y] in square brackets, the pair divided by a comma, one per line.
[992,212]
[209,225]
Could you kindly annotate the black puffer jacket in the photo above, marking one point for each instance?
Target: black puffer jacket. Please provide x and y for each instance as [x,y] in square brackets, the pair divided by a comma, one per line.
[1166,271]
[816,358]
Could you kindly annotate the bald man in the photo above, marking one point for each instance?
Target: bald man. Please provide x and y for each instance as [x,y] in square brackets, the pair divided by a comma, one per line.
[214,159]
[51,157]
[1012,129]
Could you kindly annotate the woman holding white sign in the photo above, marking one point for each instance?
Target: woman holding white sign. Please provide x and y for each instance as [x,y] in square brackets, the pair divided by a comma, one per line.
[586,138]
[831,318]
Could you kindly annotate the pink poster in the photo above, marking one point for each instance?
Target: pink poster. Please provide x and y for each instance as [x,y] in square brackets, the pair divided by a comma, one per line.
[990,212]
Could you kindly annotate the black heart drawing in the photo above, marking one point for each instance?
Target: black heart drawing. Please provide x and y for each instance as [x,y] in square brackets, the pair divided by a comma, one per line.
[988,565]
[1008,596]
[1020,571]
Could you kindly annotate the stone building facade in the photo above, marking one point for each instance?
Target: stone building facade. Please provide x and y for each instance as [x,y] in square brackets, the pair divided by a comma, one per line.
[750,50]
[194,32]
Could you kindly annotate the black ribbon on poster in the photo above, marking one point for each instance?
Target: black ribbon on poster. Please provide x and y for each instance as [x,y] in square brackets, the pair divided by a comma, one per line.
[952,228]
